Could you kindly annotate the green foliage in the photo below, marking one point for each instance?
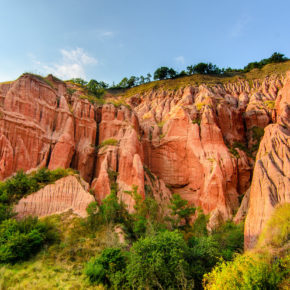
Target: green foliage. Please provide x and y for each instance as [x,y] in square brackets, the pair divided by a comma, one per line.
[79,81]
[234,152]
[196,121]
[108,268]
[274,58]
[277,230]
[257,134]
[70,91]
[202,255]
[199,226]
[145,217]
[149,173]
[203,68]
[180,210]
[22,184]
[246,272]
[159,262]
[164,72]
[95,88]
[20,239]
[108,142]
[230,238]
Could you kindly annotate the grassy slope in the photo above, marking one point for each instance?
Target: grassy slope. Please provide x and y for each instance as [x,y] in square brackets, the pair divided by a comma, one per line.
[59,266]
[174,84]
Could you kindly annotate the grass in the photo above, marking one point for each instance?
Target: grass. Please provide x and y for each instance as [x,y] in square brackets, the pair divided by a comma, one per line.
[108,142]
[210,80]
[118,103]
[277,231]
[60,266]
[93,99]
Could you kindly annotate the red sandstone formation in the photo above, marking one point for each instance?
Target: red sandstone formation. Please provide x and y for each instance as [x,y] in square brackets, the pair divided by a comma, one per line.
[198,141]
[271,179]
[66,194]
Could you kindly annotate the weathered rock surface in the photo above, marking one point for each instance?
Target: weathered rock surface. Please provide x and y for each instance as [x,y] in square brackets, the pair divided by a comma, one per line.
[64,195]
[199,141]
[271,179]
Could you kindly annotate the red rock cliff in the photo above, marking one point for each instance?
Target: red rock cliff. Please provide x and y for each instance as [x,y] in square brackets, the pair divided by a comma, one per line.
[199,141]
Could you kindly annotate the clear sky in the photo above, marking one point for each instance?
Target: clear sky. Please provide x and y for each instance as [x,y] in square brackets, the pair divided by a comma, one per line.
[110,39]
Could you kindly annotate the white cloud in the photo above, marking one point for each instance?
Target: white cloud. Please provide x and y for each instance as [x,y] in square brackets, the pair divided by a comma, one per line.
[239,27]
[72,65]
[179,59]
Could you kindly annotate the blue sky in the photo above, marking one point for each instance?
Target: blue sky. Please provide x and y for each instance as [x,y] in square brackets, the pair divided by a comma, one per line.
[107,40]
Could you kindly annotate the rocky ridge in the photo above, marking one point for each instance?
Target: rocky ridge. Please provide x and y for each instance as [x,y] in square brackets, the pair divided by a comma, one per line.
[199,141]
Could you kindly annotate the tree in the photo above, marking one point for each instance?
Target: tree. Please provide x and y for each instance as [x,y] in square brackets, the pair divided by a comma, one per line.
[277,57]
[79,81]
[163,73]
[203,68]
[96,88]
[123,83]
[108,268]
[148,78]
[132,81]
[159,262]
[181,210]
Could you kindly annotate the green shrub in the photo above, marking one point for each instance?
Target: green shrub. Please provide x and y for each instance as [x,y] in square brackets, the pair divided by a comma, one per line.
[246,272]
[108,142]
[199,226]
[108,268]
[277,230]
[159,262]
[203,254]
[20,239]
[230,238]
[180,211]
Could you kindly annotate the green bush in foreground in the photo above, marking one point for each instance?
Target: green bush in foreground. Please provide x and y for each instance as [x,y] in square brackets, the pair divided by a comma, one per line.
[246,272]
[20,239]
[108,268]
[159,262]
[265,267]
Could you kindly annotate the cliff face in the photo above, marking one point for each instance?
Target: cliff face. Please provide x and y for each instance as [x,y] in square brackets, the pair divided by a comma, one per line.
[271,179]
[66,194]
[199,141]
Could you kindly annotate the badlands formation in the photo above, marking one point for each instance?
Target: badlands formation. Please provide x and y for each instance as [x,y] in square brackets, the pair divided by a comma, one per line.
[212,143]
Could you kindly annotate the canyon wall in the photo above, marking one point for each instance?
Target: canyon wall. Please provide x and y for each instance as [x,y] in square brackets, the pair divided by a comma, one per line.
[198,141]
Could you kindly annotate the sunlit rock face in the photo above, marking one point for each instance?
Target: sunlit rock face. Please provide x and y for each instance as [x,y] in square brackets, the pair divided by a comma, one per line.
[198,141]
[271,179]
[64,195]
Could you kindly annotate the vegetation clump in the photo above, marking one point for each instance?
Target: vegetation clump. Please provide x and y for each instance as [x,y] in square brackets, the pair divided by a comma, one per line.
[265,267]
[19,240]
[108,142]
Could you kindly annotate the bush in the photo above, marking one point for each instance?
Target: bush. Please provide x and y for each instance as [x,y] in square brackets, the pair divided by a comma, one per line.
[108,142]
[246,272]
[108,268]
[20,239]
[202,256]
[180,211]
[277,230]
[230,238]
[159,262]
